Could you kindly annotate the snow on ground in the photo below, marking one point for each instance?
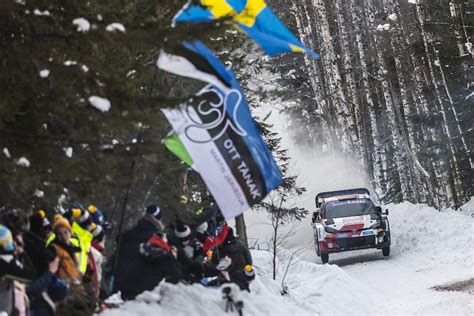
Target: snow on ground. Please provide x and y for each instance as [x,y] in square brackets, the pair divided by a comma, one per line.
[429,249]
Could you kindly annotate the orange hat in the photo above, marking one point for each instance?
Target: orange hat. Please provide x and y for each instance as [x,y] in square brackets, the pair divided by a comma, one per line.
[60,221]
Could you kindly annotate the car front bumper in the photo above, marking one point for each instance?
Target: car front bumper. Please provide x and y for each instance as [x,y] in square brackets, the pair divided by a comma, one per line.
[338,244]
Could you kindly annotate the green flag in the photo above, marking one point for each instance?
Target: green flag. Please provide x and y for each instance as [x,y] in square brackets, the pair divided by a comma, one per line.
[174,144]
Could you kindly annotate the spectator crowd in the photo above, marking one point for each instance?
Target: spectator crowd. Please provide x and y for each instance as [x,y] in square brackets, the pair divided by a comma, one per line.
[54,263]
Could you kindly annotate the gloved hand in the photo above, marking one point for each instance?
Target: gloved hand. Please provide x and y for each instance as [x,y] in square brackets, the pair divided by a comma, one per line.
[224,263]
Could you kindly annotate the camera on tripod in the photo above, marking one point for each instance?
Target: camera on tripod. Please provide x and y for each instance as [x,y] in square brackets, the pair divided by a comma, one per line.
[230,294]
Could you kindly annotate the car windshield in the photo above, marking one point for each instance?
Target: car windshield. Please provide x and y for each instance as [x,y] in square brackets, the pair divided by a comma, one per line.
[347,208]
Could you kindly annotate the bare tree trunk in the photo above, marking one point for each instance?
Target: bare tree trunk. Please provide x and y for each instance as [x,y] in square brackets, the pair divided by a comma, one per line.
[241,229]
[335,92]
[391,111]
[452,177]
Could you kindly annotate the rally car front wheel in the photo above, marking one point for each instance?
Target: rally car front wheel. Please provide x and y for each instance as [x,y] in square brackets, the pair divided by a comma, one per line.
[386,251]
[324,257]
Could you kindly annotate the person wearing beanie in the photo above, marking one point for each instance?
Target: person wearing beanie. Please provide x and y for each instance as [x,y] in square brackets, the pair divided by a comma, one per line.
[96,214]
[13,272]
[157,261]
[153,213]
[244,277]
[65,250]
[236,250]
[35,245]
[9,261]
[183,233]
[130,242]
[95,258]
[6,240]
[82,217]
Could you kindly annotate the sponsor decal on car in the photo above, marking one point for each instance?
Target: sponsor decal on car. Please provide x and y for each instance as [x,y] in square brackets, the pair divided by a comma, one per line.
[353,220]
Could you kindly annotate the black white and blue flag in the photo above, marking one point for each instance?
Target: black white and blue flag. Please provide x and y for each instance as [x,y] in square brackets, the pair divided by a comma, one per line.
[218,132]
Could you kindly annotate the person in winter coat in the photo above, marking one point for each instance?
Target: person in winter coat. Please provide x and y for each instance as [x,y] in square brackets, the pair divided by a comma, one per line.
[46,291]
[12,273]
[181,240]
[236,250]
[35,245]
[68,266]
[157,261]
[95,258]
[194,270]
[243,277]
[209,242]
[96,215]
[129,243]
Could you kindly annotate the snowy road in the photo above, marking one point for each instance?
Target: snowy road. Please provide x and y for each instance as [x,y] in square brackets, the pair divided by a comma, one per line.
[429,249]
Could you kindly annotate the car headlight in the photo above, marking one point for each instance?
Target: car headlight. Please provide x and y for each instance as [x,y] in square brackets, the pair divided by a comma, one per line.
[330,230]
[375,225]
[329,221]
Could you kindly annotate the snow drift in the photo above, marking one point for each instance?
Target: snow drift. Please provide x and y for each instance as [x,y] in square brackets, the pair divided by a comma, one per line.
[429,248]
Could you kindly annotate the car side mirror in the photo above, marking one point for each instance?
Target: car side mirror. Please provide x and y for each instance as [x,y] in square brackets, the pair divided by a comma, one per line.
[315,217]
[378,209]
[386,212]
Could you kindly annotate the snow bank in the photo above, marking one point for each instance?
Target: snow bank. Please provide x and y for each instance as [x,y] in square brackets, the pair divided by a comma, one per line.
[313,290]
[435,239]
[180,299]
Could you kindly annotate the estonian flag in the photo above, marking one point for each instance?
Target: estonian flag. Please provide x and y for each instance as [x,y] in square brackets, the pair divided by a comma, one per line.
[186,60]
[217,136]
[253,17]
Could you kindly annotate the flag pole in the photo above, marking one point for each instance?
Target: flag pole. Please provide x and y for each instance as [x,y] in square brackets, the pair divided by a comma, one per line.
[122,216]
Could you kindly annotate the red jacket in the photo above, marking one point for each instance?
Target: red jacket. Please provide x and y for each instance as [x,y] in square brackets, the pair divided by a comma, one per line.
[212,242]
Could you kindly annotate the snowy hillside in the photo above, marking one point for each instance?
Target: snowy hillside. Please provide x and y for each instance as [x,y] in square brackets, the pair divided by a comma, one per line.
[429,249]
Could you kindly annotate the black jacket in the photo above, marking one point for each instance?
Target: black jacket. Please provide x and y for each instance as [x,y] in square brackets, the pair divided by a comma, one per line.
[147,270]
[40,256]
[239,278]
[12,268]
[129,249]
[237,251]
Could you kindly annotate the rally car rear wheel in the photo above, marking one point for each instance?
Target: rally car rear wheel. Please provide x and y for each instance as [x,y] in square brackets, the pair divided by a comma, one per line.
[324,257]
[386,251]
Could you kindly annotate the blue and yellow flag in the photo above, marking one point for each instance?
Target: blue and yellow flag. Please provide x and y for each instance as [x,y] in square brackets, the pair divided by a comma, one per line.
[253,17]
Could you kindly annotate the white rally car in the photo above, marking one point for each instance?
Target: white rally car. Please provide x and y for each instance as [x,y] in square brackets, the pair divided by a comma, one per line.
[349,220]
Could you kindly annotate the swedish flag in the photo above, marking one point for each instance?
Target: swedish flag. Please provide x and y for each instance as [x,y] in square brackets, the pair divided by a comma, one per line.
[253,17]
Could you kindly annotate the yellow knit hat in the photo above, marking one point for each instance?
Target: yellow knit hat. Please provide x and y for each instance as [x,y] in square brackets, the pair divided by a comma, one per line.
[92,209]
[60,221]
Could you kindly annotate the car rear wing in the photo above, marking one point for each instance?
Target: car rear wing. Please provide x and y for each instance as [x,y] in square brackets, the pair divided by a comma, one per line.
[323,195]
